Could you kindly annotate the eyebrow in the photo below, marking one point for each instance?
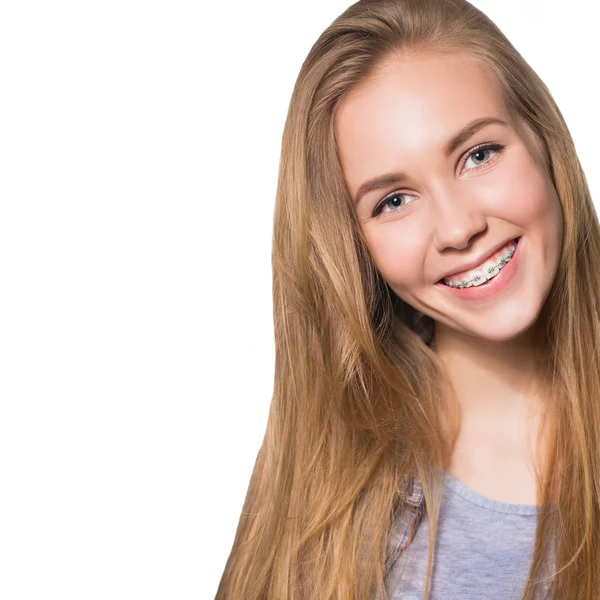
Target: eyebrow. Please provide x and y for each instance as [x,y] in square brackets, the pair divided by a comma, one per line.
[463,135]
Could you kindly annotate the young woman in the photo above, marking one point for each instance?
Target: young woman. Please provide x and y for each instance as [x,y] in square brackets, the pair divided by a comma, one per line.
[434,424]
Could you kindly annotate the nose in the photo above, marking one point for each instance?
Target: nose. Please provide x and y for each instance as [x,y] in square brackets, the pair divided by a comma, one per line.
[457,219]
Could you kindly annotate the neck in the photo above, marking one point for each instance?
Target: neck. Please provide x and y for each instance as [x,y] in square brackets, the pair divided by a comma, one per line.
[495,382]
[500,399]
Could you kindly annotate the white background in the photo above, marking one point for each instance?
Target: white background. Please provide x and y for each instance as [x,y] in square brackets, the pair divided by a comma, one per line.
[139,152]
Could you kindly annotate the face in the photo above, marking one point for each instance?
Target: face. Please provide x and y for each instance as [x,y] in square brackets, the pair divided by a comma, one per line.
[448,205]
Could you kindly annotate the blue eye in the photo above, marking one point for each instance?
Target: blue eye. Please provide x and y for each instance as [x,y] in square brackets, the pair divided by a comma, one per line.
[387,200]
[482,150]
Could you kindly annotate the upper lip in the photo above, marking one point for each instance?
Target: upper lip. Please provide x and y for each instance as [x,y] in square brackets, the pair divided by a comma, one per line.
[478,260]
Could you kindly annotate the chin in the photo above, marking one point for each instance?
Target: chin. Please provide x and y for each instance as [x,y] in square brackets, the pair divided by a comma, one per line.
[501,331]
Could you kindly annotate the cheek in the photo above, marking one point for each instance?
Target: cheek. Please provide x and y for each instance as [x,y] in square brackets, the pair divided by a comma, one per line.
[529,197]
[398,253]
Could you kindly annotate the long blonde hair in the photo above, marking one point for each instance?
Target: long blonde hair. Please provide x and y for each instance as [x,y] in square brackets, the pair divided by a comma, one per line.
[361,400]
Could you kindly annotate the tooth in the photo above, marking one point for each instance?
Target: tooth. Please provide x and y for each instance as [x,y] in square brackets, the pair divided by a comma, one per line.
[480,275]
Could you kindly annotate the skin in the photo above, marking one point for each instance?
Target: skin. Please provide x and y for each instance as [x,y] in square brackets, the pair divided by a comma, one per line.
[450,209]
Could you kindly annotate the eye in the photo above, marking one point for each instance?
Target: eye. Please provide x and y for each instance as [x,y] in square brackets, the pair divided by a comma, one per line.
[479,153]
[388,200]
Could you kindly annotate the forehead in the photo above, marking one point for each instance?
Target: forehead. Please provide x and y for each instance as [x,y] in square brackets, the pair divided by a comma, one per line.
[412,104]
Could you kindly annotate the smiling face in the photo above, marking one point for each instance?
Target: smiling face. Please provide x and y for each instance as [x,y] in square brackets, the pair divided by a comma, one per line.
[449,204]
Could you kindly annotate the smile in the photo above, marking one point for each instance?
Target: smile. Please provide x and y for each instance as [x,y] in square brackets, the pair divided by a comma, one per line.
[493,278]
[488,270]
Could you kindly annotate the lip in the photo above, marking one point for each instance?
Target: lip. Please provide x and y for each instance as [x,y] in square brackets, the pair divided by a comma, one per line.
[498,284]
[477,261]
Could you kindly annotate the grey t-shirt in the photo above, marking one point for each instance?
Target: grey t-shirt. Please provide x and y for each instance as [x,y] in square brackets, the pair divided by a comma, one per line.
[483,550]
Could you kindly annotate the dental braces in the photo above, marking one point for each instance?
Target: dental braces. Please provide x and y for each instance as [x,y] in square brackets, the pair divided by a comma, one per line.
[502,262]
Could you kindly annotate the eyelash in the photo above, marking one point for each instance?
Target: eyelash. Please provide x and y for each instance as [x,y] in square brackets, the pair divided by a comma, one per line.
[480,148]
